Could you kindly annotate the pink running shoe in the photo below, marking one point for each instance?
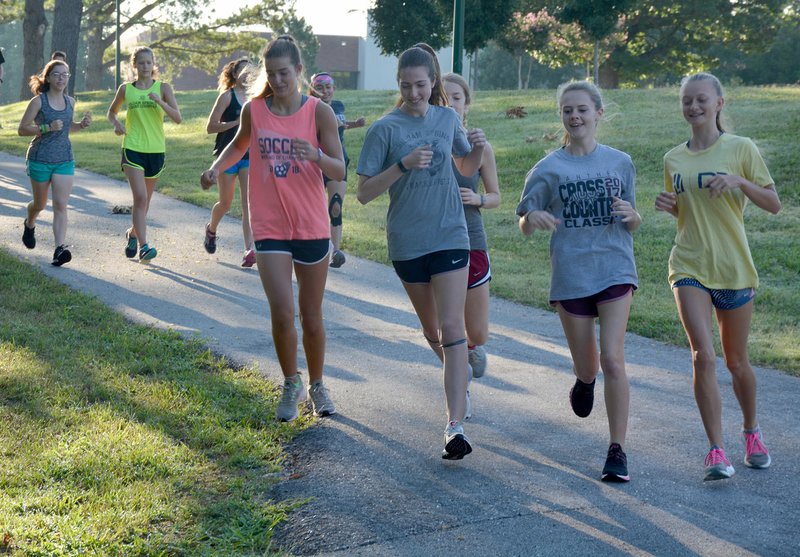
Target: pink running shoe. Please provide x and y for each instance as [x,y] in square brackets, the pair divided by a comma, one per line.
[249,258]
[756,454]
[718,467]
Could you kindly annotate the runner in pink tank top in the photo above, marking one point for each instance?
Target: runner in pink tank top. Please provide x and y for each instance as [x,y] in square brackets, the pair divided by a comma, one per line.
[289,212]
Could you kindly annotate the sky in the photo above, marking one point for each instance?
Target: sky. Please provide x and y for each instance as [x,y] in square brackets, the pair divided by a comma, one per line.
[326,17]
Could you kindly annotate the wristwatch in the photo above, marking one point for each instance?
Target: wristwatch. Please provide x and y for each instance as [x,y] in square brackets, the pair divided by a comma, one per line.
[402,167]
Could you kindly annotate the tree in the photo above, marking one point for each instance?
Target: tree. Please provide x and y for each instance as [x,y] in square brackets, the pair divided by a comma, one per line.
[34,26]
[180,31]
[673,38]
[11,10]
[540,37]
[66,32]
[599,19]
[397,27]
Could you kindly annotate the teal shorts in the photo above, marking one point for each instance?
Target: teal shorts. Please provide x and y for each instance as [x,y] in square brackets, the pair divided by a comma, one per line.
[43,171]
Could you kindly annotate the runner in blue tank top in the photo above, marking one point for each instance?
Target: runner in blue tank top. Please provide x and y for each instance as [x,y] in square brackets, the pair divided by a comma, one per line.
[224,121]
[48,117]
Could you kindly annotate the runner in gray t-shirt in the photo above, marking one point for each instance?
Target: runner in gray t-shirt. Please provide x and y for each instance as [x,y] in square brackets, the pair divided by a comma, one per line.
[408,152]
[584,194]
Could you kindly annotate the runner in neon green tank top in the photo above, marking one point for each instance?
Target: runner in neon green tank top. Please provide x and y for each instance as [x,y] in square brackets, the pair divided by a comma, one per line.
[143,144]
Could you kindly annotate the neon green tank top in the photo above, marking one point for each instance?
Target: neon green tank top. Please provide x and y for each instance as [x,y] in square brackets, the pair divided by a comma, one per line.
[144,124]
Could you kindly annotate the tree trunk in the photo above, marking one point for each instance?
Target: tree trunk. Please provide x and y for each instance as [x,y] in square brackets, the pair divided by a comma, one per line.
[96,46]
[531,61]
[66,33]
[609,77]
[597,62]
[474,70]
[519,72]
[34,26]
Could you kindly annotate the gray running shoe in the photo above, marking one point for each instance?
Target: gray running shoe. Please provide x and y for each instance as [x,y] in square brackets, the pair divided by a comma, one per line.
[718,467]
[456,444]
[293,394]
[321,400]
[477,359]
[756,454]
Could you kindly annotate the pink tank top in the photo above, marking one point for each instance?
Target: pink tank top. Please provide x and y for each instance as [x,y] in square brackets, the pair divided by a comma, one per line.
[286,195]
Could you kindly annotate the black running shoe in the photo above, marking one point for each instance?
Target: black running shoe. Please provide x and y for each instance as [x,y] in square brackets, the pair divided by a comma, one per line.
[61,255]
[616,468]
[28,235]
[581,398]
[456,444]
[131,243]
[210,243]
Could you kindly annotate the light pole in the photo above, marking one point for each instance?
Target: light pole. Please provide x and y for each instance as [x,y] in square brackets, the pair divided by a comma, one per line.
[458,36]
[117,79]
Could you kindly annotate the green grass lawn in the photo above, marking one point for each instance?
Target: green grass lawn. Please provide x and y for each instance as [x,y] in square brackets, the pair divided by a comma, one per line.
[119,439]
[644,123]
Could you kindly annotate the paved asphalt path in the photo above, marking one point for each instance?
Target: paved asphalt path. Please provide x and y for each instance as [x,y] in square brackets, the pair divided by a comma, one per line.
[373,476]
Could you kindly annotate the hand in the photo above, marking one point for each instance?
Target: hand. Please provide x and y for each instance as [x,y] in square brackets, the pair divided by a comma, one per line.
[86,120]
[420,158]
[477,138]
[622,208]
[469,197]
[119,128]
[360,123]
[208,178]
[721,183]
[541,220]
[55,125]
[666,201]
[304,151]
[154,97]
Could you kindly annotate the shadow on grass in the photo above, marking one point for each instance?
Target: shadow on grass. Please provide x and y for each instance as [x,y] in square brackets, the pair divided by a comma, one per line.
[197,432]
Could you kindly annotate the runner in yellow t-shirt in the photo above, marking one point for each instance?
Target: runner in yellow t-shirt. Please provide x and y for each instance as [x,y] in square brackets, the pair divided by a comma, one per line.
[708,181]
[143,144]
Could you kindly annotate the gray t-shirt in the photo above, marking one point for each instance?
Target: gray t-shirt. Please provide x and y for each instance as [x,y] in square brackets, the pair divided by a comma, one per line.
[425,213]
[590,249]
[52,147]
[475,229]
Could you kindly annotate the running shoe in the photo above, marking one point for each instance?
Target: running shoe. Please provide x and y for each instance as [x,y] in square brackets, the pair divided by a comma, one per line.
[293,394]
[756,454]
[28,235]
[616,468]
[61,255]
[131,243]
[477,359]
[210,242]
[456,444]
[337,259]
[320,399]
[581,398]
[718,467]
[146,253]
[249,258]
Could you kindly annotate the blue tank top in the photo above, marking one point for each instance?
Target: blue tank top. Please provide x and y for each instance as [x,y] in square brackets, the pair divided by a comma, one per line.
[52,147]
[477,234]
[231,113]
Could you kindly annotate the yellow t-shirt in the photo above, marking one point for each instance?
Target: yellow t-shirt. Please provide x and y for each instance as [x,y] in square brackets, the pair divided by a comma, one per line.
[711,244]
[144,122]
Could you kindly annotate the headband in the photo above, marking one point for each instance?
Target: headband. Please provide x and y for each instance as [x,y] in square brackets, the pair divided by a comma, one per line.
[321,78]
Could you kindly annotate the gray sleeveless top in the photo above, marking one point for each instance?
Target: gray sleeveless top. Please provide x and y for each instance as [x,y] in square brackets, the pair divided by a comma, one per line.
[52,147]
[477,234]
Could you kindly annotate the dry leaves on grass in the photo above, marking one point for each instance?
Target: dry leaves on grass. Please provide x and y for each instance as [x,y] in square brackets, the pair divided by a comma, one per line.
[516,112]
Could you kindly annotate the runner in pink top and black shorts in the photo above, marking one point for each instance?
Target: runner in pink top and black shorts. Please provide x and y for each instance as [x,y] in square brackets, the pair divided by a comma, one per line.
[293,140]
